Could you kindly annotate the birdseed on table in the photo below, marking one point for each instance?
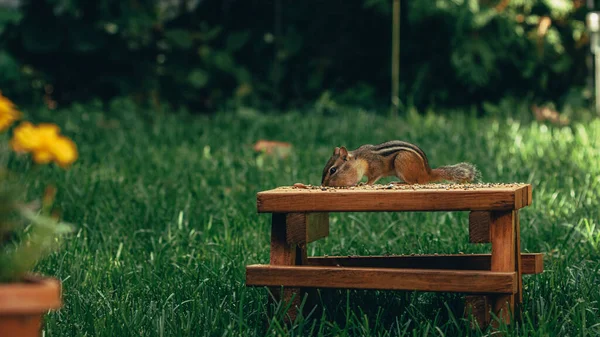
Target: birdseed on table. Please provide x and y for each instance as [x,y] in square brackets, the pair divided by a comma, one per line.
[399,186]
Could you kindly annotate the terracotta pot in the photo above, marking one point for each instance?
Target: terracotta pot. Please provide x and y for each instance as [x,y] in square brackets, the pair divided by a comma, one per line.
[23,304]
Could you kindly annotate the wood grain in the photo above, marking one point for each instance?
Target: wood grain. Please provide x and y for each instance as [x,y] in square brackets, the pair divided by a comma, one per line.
[518,268]
[304,228]
[300,216]
[503,259]
[479,227]
[285,254]
[317,226]
[479,307]
[349,200]
[382,278]
[281,252]
[531,263]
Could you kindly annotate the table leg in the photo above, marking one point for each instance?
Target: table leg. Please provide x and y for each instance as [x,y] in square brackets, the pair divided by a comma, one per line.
[479,307]
[286,254]
[503,237]
[518,268]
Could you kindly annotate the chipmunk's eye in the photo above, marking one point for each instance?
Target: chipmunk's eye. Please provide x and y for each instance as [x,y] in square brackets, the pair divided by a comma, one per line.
[332,170]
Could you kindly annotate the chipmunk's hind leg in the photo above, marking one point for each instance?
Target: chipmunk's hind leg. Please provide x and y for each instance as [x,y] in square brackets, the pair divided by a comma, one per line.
[372,181]
[411,169]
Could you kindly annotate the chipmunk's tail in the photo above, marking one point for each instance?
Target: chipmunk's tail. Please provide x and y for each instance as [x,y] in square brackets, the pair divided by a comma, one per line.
[459,173]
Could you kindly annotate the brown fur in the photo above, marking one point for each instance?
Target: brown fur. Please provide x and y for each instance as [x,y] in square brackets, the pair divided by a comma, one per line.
[395,158]
[460,173]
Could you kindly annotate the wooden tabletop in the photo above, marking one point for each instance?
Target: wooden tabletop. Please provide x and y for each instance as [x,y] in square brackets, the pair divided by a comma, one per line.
[393,198]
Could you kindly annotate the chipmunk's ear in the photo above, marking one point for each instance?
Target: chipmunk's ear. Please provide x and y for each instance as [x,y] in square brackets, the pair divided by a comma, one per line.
[336,151]
[343,153]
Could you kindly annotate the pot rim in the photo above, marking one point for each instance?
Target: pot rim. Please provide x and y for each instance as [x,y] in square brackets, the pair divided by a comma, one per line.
[34,295]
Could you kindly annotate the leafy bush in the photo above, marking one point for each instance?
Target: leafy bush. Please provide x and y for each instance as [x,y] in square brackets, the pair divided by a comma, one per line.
[203,53]
[27,235]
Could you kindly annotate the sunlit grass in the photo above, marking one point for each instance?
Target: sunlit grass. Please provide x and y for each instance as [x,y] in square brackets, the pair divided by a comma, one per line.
[166,210]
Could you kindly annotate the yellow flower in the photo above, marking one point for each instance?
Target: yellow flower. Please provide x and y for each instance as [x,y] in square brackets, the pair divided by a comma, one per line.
[42,157]
[8,113]
[48,130]
[25,138]
[64,151]
[47,134]
[45,143]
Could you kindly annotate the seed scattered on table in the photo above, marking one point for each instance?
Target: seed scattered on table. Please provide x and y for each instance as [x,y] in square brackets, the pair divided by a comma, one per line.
[396,186]
[301,185]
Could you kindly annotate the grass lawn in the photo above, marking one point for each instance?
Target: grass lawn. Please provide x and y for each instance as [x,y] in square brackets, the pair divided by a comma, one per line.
[165,208]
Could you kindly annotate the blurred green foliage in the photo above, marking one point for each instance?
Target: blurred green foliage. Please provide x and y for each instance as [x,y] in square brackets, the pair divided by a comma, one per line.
[202,53]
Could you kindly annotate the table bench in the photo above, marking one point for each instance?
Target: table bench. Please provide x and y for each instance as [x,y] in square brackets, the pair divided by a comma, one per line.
[492,282]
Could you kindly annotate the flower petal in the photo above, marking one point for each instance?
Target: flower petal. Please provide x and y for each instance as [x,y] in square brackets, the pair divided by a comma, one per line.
[64,151]
[25,138]
[8,113]
[42,157]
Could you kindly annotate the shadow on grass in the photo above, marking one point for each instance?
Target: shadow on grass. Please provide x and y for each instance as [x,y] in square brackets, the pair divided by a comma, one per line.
[372,312]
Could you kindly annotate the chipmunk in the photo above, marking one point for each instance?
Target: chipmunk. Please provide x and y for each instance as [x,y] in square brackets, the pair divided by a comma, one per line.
[394,158]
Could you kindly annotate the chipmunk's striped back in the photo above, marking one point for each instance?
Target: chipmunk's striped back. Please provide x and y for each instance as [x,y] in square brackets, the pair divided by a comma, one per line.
[392,147]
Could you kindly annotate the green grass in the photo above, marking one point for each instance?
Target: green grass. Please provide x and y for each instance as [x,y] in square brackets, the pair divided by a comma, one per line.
[165,208]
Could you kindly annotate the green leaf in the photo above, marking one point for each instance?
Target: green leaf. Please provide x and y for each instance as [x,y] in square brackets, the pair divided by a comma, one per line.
[243,75]
[209,33]
[198,78]
[562,65]
[8,16]
[8,66]
[236,40]
[481,19]
[179,38]
[48,224]
[224,61]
